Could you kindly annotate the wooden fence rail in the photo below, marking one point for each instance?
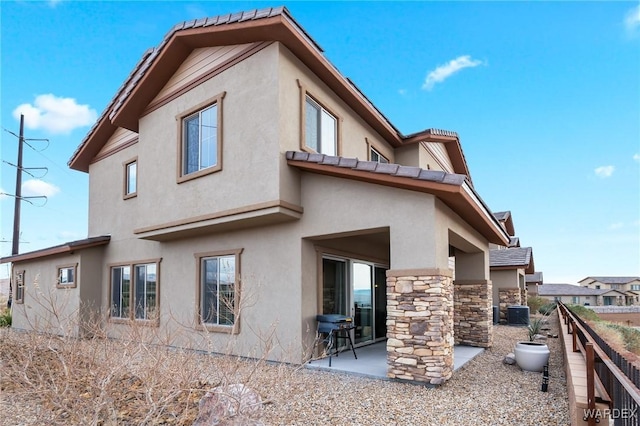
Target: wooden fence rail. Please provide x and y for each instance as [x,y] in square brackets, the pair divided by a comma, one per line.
[611,378]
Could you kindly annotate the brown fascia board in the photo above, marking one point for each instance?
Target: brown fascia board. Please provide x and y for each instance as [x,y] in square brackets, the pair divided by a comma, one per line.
[451,144]
[453,196]
[61,249]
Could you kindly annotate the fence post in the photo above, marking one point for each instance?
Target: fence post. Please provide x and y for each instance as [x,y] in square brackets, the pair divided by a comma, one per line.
[591,390]
[574,337]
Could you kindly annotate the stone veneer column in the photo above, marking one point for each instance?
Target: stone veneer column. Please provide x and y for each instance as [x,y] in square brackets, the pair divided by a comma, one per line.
[473,313]
[420,325]
[508,297]
[524,296]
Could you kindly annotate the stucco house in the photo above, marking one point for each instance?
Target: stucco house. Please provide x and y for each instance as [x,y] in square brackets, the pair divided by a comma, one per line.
[580,295]
[629,286]
[533,281]
[509,266]
[239,185]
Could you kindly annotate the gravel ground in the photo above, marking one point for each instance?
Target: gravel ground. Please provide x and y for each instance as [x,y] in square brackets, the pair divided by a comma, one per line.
[484,391]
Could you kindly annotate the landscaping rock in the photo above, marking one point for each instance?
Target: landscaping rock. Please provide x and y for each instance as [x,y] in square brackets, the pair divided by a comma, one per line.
[228,405]
[510,359]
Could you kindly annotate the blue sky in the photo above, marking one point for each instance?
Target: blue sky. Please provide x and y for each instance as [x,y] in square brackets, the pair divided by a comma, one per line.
[544,95]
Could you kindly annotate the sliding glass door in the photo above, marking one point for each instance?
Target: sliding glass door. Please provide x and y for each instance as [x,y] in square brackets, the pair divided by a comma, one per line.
[357,289]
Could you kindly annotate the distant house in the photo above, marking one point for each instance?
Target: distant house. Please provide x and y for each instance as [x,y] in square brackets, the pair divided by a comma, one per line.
[239,186]
[533,281]
[508,267]
[577,295]
[628,286]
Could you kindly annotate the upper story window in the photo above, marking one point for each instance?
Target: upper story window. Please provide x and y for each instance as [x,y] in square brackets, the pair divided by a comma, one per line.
[66,276]
[131,178]
[597,286]
[201,140]
[635,287]
[321,128]
[376,156]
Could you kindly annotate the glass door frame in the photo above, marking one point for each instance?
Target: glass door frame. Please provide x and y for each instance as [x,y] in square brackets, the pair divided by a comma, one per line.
[375,266]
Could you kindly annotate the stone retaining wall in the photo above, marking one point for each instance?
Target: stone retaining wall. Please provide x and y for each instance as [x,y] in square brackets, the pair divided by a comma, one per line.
[420,326]
[473,313]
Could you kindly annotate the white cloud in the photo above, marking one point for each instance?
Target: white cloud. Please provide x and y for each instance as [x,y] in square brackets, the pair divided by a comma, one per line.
[37,187]
[604,171]
[402,91]
[636,157]
[617,225]
[445,71]
[3,194]
[53,3]
[632,20]
[55,114]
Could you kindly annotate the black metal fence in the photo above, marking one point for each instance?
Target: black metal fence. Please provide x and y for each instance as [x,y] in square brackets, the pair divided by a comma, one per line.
[617,379]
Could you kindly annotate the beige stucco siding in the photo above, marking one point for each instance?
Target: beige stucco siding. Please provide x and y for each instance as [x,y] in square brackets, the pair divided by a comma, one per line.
[416,155]
[119,138]
[46,307]
[506,278]
[200,62]
[353,130]
[270,290]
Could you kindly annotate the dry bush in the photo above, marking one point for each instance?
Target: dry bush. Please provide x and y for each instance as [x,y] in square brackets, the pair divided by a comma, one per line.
[88,378]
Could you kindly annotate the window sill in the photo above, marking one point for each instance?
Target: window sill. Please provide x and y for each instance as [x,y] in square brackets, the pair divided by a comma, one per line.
[66,285]
[212,328]
[199,173]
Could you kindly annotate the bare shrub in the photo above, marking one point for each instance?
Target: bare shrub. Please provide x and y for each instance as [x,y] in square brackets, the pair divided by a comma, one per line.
[75,374]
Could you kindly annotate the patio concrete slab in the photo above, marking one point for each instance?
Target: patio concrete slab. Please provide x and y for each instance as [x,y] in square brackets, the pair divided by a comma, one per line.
[372,360]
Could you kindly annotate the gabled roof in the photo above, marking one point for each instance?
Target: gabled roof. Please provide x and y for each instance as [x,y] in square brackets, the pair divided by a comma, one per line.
[514,242]
[265,25]
[611,280]
[65,248]
[535,278]
[510,258]
[507,221]
[452,189]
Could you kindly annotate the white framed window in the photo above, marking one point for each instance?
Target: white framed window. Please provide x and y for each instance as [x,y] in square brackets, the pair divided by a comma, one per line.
[218,290]
[135,297]
[131,178]
[374,155]
[200,140]
[66,276]
[635,287]
[320,128]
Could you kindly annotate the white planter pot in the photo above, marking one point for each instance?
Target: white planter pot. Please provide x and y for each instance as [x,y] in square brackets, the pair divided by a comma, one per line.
[532,356]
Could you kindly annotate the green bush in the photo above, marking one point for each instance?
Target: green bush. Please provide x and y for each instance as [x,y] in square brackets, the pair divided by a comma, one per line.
[584,313]
[630,336]
[535,302]
[546,309]
[5,318]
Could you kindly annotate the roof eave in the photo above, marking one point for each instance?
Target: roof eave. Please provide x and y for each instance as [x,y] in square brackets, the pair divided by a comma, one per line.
[66,248]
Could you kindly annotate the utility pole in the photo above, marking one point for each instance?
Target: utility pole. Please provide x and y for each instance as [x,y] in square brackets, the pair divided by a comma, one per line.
[18,198]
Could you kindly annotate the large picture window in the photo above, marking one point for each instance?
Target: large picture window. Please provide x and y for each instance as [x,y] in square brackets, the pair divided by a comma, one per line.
[200,140]
[135,296]
[219,290]
[321,128]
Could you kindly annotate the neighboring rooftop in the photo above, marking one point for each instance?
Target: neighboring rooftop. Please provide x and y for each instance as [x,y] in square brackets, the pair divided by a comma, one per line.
[535,278]
[612,280]
[516,257]
[571,290]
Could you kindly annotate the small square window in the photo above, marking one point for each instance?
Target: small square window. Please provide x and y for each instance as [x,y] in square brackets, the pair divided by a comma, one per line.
[131,178]
[66,276]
